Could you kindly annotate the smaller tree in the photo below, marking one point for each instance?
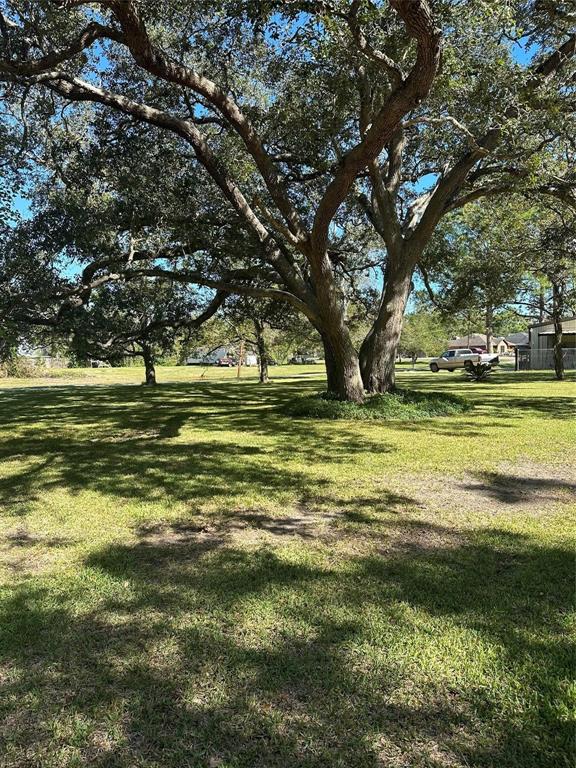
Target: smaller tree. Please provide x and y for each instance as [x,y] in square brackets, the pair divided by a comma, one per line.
[141,318]
[423,334]
[257,322]
[554,266]
[476,262]
[33,287]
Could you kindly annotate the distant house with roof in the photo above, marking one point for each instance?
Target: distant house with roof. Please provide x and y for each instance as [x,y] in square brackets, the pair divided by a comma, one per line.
[519,339]
[506,345]
[500,345]
[206,356]
[476,340]
[211,357]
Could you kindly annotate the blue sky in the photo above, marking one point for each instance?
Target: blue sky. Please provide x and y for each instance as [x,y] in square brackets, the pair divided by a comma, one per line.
[22,206]
[523,53]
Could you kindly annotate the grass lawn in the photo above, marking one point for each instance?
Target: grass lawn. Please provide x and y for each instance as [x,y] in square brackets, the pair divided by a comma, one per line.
[189,578]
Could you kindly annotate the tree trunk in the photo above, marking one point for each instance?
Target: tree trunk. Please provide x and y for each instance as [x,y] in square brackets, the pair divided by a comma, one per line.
[330,364]
[262,352]
[342,366]
[557,310]
[148,356]
[380,347]
[489,315]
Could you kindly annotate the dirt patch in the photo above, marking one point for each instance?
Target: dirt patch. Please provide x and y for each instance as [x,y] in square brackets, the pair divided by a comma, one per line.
[248,526]
[417,536]
[179,532]
[522,487]
[252,529]
[20,538]
[304,522]
[27,553]
[380,523]
[127,435]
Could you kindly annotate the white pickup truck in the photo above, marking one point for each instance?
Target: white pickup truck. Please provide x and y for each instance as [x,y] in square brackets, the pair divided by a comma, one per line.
[460,358]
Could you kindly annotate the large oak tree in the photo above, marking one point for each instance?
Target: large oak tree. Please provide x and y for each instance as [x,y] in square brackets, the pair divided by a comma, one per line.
[298,111]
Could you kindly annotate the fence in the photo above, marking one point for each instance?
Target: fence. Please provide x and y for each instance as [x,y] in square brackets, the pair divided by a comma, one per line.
[541,359]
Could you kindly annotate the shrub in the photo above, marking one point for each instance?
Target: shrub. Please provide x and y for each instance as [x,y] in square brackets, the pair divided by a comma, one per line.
[478,371]
[401,405]
[20,368]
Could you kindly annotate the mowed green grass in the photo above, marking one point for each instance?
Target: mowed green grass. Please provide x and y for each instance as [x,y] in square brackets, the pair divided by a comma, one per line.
[165,374]
[190,578]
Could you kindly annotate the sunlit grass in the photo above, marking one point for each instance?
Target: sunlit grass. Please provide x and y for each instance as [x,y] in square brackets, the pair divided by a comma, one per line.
[190,577]
[166,374]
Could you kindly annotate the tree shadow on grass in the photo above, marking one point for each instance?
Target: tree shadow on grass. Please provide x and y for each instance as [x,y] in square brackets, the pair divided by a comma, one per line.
[498,396]
[198,653]
[550,407]
[513,489]
[127,442]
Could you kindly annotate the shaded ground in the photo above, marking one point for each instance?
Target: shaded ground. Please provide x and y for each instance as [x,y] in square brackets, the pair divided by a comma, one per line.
[192,579]
[522,487]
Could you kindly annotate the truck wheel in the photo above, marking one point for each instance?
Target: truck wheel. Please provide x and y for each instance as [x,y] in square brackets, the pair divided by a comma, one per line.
[468,365]
[434,368]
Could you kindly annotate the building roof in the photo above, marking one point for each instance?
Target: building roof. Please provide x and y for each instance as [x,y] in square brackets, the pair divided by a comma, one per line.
[549,322]
[521,337]
[551,333]
[472,340]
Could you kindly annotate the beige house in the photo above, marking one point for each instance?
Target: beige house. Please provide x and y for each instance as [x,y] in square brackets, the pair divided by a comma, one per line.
[506,345]
[500,345]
